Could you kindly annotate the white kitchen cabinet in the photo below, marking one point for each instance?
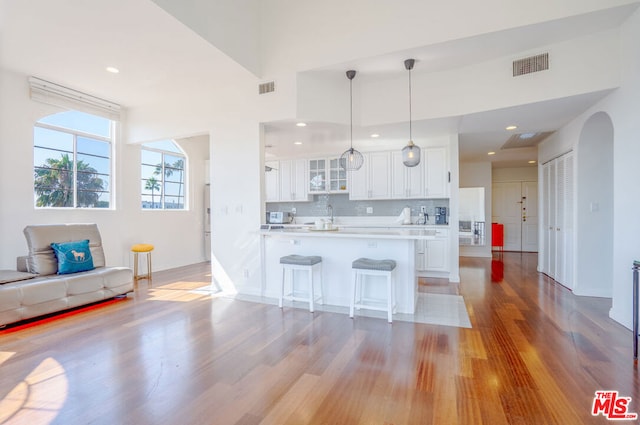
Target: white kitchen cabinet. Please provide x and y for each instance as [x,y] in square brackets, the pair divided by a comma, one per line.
[433,255]
[338,182]
[326,176]
[293,180]
[272,181]
[436,172]
[373,179]
[406,182]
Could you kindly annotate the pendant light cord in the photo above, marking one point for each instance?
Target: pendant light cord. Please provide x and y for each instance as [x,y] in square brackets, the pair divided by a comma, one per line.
[410,134]
[351,111]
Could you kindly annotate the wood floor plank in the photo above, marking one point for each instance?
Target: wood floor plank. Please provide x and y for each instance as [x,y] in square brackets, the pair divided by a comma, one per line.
[176,352]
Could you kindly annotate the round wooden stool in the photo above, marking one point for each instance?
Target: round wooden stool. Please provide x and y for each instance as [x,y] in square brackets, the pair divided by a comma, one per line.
[137,249]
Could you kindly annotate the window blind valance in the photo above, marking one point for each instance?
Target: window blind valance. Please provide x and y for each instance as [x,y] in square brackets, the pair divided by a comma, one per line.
[57,95]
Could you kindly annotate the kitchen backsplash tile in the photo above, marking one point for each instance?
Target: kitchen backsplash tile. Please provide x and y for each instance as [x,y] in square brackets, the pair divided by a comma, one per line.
[343,207]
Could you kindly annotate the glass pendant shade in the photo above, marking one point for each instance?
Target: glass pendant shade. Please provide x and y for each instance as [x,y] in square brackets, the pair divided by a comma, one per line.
[411,154]
[351,160]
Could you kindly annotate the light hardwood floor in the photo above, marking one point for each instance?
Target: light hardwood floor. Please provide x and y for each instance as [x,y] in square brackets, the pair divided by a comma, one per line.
[170,355]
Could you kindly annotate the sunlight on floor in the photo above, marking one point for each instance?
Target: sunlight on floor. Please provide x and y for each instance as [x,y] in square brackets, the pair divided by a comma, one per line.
[5,355]
[175,294]
[38,398]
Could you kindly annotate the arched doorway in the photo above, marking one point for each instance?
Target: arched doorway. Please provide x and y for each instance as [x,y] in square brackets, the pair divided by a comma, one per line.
[594,247]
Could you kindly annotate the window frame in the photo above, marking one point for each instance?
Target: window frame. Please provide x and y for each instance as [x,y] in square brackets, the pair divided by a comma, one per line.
[162,176]
[76,134]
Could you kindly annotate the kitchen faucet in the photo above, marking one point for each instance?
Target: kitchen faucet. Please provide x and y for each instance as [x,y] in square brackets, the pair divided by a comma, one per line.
[330,210]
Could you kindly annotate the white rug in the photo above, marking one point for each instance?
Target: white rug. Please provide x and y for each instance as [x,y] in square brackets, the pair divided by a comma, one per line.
[431,309]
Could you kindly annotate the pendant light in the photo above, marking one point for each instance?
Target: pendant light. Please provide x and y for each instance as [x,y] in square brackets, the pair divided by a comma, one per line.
[411,152]
[351,159]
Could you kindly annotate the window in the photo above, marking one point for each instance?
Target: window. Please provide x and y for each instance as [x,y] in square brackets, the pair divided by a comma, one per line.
[163,172]
[72,161]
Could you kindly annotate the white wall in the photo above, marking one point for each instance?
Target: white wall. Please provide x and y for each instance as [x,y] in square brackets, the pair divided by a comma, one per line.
[478,174]
[231,25]
[622,106]
[594,207]
[175,245]
[515,174]
[326,23]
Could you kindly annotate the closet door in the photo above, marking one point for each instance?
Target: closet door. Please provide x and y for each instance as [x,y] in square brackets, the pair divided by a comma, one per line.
[559,222]
[558,208]
[566,226]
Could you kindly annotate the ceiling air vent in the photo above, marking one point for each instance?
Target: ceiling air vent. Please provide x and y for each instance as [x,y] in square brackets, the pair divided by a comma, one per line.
[531,64]
[267,87]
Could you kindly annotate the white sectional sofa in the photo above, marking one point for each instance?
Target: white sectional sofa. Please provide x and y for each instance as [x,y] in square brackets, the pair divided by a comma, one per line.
[37,288]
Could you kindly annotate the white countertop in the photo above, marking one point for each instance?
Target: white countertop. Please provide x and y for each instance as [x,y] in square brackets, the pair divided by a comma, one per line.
[406,232]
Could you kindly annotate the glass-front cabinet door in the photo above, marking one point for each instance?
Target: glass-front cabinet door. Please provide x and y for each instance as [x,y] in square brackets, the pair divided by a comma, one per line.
[337,176]
[317,175]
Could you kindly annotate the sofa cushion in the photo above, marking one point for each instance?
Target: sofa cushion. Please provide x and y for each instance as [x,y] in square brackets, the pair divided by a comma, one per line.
[73,257]
[41,258]
[8,276]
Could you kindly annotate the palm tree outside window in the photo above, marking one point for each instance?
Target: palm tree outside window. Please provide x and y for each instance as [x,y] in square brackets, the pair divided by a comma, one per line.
[72,163]
[163,175]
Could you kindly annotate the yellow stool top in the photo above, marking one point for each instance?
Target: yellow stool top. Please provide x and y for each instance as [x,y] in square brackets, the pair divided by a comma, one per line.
[142,247]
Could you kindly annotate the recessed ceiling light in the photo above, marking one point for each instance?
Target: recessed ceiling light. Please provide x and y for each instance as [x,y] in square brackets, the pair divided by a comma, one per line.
[297,143]
[532,162]
[511,127]
[301,124]
[112,69]
[374,135]
[491,153]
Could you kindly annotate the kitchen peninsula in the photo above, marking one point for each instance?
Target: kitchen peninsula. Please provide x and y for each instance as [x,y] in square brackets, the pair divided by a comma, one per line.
[338,248]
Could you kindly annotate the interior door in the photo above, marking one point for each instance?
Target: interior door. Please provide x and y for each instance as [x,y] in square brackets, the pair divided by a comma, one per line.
[515,205]
[530,216]
[506,209]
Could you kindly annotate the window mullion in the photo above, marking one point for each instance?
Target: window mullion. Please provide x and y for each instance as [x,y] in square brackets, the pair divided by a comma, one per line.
[164,182]
[75,171]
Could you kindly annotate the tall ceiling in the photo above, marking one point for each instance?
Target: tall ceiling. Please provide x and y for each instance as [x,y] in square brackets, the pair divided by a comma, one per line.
[162,60]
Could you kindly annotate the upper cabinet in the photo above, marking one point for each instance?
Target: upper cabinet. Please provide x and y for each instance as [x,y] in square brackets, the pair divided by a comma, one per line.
[436,173]
[293,180]
[429,179]
[373,180]
[272,181]
[337,176]
[406,182]
[326,175]
[382,176]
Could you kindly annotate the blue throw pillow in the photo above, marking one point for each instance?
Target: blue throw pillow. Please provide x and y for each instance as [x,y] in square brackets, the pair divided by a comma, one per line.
[73,256]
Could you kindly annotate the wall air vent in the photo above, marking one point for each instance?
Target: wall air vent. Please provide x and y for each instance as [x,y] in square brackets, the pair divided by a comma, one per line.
[267,87]
[531,64]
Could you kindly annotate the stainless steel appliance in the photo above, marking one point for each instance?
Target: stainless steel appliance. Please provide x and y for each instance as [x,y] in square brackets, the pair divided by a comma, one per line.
[441,215]
[279,217]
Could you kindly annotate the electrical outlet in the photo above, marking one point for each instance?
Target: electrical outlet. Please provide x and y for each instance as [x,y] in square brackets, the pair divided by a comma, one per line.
[293,210]
[369,210]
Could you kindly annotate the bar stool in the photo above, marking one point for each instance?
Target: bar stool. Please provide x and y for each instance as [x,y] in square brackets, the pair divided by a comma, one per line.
[137,249]
[292,263]
[364,267]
